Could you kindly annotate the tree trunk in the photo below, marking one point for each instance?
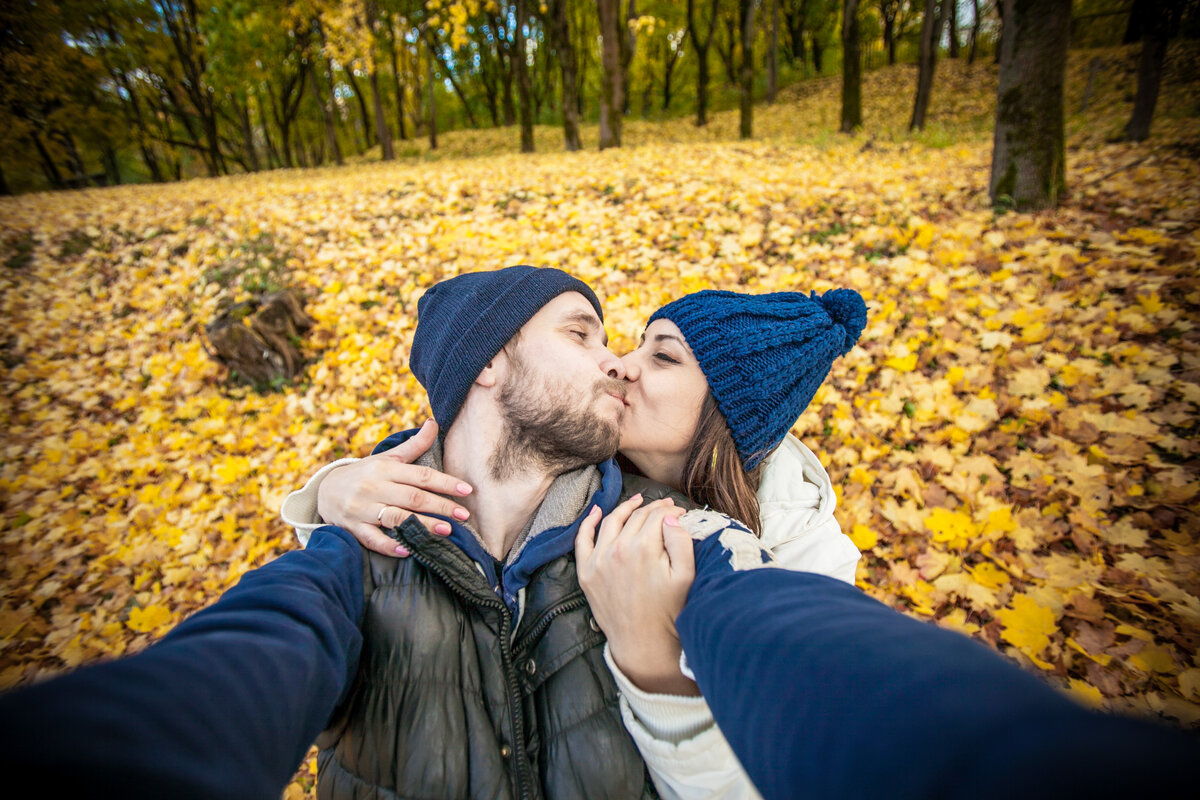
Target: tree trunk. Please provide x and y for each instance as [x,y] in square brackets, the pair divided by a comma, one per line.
[795,24]
[669,71]
[888,11]
[397,84]
[746,82]
[387,153]
[1150,66]
[331,141]
[951,13]
[612,94]
[818,52]
[4,190]
[974,33]
[1028,164]
[242,110]
[772,53]
[627,42]
[263,353]
[521,67]
[700,44]
[49,168]
[559,30]
[851,69]
[931,34]
[433,144]
[364,115]
[272,156]
[434,48]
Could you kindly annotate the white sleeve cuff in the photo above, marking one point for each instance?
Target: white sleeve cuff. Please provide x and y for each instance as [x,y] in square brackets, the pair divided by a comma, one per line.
[299,509]
[666,717]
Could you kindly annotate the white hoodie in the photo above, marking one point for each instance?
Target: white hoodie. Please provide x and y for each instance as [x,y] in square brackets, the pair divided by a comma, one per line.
[686,753]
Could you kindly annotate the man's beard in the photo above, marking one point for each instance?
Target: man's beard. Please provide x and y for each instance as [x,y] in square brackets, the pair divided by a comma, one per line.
[548,426]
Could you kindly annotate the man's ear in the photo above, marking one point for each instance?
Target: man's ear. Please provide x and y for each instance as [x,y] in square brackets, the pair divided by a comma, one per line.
[489,376]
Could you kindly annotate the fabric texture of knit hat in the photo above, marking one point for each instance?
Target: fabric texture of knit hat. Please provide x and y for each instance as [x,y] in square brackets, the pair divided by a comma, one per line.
[765,355]
[463,322]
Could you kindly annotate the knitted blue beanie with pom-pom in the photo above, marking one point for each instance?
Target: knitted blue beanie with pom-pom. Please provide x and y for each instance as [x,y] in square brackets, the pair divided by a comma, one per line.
[765,355]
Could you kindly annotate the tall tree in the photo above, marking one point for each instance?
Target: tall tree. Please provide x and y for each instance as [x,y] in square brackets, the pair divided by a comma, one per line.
[521,67]
[1028,163]
[746,9]
[773,52]
[951,13]
[931,35]
[888,9]
[612,94]
[700,43]
[558,28]
[851,69]
[975,22]
[382,134]
[1147,20]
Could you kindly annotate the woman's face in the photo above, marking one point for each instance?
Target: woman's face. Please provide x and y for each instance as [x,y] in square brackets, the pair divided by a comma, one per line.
[666,392]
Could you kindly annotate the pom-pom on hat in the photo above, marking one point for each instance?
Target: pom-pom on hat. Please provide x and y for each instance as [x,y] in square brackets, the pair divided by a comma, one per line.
[463,322]
[765,355]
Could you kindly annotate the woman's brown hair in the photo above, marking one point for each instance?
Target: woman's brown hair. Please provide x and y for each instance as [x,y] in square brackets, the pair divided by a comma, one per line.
[713,474]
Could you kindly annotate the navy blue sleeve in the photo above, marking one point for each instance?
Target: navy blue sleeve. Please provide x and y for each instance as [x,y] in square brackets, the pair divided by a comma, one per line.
[393,440]
[226,705]
[825,692]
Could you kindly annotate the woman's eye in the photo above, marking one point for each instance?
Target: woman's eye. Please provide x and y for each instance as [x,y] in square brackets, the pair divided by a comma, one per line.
[666,359]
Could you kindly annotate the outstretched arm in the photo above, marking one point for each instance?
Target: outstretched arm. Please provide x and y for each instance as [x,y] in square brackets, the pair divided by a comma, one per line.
[226,705]
[823,690]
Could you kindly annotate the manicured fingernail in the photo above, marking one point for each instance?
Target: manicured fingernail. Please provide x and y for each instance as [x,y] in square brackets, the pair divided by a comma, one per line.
[594,511]
[672,521]
[461,513]
[463,488]
[402,551]
[637,497]
[443,528]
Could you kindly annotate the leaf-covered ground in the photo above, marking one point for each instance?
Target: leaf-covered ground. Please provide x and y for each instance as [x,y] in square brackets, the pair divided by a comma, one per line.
[1014,442]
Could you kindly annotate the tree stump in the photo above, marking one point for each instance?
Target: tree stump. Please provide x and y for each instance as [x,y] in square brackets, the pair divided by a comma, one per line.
[259,340]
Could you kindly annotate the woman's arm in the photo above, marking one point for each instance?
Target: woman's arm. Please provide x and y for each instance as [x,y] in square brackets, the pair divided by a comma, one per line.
[636,579]
[366,495]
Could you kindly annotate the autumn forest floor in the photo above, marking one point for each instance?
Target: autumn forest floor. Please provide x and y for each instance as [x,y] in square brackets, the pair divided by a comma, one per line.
[1015,441]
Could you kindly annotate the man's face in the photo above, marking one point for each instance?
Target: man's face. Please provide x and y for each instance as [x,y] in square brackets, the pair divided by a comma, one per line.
[562,395]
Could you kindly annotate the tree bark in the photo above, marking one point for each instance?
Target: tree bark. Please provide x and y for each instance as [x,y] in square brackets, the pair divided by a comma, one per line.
[931,34]
[1150,66]
[559,30]
[851,69]
[612,94]
[521,68]
[433,142]
[1028,164]
[746,73]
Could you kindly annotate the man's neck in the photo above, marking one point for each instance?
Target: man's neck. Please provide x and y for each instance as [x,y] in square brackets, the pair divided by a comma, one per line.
[500,507]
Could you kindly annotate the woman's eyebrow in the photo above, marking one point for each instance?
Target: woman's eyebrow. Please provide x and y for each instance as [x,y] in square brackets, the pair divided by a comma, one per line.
[670,337]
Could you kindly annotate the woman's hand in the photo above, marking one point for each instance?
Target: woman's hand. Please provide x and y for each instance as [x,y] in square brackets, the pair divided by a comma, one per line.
[382,490]
[636,573]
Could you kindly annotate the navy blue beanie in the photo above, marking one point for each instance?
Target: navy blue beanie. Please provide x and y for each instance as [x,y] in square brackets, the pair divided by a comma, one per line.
[765,355]
[463,322]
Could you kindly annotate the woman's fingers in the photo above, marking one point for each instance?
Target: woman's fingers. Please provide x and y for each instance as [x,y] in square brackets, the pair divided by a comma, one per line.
[616,519]
[585,539]
[374,539]
[680,550]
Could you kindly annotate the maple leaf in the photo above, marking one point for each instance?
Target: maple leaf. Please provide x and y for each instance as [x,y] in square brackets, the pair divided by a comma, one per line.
[1028,626]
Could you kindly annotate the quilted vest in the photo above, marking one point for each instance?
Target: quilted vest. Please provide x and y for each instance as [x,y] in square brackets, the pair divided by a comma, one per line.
[448,703]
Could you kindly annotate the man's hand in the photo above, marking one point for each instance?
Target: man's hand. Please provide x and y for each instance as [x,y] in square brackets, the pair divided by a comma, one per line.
[636,574]
[382,490]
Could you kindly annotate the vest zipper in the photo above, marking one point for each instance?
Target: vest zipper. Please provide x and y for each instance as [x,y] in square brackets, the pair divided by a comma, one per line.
[570,604]
[510,674]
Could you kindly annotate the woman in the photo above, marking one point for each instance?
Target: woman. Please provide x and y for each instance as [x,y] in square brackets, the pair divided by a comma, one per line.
[716,383]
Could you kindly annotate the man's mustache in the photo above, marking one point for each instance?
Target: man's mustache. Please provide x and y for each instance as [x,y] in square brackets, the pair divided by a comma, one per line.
[611,386]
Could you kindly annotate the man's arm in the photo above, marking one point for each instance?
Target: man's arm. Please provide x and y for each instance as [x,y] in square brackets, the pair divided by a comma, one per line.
[226,705]
[826,692]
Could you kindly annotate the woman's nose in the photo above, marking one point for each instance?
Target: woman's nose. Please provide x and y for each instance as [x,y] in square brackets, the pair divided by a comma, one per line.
[632,370]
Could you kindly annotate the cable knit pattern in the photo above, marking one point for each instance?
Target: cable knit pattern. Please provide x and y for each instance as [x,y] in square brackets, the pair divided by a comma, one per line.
[765,355]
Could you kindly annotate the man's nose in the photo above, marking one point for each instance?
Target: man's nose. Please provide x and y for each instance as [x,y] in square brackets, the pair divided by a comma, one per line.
[612,365]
